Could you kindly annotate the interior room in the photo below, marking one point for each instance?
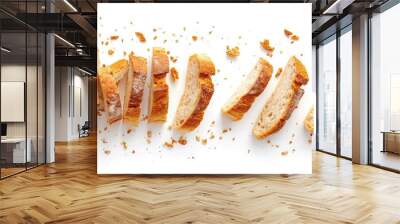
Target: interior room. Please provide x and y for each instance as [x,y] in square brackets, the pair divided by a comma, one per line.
[76,147]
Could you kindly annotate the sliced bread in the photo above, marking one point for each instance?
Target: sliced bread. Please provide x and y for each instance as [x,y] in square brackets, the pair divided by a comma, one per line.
[309,121]
[117,69]
[283,100]
[253,85]
[110,93]
[158,101]
[197,94]
[134,88]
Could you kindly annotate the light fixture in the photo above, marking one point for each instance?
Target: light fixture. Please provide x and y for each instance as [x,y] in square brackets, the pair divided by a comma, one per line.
[70,5]
[5,50]
[337,7]
[64,40]
[84,71]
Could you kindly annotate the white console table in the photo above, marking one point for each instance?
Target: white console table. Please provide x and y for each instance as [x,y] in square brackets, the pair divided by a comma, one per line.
[18,149]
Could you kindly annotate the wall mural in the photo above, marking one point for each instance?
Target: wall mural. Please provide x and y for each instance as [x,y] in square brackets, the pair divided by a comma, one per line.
[204,89]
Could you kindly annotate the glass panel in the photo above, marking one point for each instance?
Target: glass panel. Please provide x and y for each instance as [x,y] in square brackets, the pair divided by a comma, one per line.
[31,98]
[41,99]
[346,93]
[327,96]
[13,77]
[385,84]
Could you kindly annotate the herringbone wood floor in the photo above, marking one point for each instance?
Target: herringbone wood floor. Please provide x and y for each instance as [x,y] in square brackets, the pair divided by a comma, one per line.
[70,191]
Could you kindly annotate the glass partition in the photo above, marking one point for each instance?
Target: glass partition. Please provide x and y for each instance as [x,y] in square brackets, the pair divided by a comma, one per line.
[22,77]
[14,155]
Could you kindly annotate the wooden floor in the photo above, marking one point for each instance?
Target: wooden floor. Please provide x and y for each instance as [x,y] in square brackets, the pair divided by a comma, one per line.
[70,191]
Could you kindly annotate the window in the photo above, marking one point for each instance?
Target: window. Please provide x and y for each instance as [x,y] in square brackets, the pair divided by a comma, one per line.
[346,92]
[385,89]
[327,96]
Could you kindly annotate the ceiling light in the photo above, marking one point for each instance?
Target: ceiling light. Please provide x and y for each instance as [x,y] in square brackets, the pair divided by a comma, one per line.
[5,50]
[338,6]
[84,71]
[64,40]
[70,5]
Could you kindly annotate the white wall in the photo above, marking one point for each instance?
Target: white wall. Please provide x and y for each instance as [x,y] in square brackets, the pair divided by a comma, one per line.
[70,83]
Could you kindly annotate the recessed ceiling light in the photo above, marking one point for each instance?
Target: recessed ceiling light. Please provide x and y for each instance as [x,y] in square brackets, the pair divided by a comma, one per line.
[70,5]
[64,40]
[84,71]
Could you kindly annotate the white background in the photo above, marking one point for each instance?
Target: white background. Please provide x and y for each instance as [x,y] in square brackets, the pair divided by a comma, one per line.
[243,25]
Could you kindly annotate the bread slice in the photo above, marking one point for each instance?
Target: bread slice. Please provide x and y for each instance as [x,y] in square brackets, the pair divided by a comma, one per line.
[112,101]
[100,98]
[253,85]
[117,69]
[309,121]
[134,88]
[158,101]
[197,93]
[283,100]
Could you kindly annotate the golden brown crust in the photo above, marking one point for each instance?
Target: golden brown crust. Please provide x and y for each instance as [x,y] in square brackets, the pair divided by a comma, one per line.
[300,78]
[159,95]
[243,105]
[117,69]
[112,101]
[134,89]
[206,70]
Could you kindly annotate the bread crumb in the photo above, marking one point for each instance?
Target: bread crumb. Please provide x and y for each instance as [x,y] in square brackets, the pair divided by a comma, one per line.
[232,52]
[309,141]
[115,37]
[133,151]
[266,45]
[173,59]
[174,74]
[197,138]
[104,141]
[290,142]
[284,153]
[154,29]
[110,52]
[140,37]
[107,151]
[106,43]
[233,139]
[278,72]
[287,32]
[204,141]
[182,140]
[155,38]
[212,136]
[149,134]
[124,145]
[168,145]
[295,38]
[194,38]
[225,130]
